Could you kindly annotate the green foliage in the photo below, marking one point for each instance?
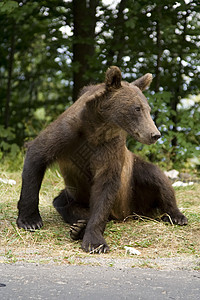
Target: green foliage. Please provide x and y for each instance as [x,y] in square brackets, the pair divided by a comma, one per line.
[8,6]
[37,67]
[10,153]
[7,136]
[187,133]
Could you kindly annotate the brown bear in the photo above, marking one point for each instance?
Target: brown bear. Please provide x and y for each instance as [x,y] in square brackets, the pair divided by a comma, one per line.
[103,179]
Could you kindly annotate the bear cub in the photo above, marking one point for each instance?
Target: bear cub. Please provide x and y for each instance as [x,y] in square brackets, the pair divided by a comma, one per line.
[103,179]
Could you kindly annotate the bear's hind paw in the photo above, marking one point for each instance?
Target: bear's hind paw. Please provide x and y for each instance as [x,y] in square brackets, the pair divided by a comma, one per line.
[178,219]
[77,230]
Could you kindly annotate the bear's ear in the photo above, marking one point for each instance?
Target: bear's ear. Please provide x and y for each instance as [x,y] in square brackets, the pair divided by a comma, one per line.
[143,82]
[113,78]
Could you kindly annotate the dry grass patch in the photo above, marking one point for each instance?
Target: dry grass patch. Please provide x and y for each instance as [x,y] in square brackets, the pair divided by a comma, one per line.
[52,243]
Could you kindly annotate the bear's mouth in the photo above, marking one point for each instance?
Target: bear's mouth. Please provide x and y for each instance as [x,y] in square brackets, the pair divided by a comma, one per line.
[142,139]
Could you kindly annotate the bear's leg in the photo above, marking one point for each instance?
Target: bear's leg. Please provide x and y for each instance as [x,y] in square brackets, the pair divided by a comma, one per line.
[72,213]
[103,195]
[166,202]
[29,217]
[41,153]
[154,192]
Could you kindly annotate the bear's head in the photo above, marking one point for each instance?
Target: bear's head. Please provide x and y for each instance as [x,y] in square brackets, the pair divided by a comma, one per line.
[124,105]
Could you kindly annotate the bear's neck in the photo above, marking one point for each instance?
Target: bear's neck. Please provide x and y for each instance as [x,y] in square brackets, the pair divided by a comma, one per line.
[99,131]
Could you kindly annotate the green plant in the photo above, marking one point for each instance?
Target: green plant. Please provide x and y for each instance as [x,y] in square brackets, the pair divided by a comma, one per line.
[7,144]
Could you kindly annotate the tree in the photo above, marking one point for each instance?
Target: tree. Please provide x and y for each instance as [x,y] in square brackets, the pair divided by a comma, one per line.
[30,67]
[43,67]
[84,23]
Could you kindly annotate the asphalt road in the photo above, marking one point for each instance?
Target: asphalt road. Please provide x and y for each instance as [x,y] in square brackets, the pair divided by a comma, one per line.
[31,281]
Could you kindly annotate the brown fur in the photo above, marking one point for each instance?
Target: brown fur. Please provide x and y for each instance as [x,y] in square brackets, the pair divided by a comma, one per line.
[103,178]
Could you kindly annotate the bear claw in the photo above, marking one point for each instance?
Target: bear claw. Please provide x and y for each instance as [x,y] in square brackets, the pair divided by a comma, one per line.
[94,243]
[77,230]
[177,220]
[31,224]
[100,249]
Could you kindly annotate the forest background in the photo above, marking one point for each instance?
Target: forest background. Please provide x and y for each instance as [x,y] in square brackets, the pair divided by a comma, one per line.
[50,49]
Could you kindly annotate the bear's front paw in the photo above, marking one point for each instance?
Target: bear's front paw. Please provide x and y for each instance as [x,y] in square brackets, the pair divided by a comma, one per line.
[94,243]
[30,223]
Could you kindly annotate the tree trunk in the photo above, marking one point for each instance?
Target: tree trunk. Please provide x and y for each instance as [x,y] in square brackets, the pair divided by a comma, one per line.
[118,36]
[84,14]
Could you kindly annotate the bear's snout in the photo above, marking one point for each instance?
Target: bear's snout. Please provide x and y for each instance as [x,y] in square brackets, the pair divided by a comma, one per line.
[155,136]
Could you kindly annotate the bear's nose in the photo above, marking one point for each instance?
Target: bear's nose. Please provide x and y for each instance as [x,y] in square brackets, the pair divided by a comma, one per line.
[155,136]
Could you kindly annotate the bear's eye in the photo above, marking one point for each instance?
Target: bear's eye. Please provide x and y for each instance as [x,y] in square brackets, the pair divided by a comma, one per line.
[137,108]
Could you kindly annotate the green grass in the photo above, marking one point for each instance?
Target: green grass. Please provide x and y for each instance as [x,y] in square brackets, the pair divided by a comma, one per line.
[52,243]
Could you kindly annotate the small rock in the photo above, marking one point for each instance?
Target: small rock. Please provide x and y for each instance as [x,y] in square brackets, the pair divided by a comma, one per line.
[8,181]
[132,250]
[172,174]
[180,183]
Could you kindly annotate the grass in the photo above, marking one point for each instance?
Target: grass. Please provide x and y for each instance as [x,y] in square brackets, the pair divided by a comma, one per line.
[154,239]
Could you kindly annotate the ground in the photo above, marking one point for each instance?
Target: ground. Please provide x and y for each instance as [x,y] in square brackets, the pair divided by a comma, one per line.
[162,246]
[49,282]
